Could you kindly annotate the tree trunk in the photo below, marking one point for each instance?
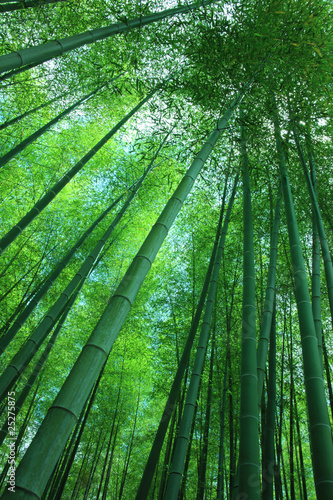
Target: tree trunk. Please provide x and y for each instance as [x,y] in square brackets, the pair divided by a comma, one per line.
[204,451]
[268,449]
[269,300]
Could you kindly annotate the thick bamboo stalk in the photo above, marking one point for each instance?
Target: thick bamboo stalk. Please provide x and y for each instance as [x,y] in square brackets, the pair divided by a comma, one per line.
[319,425]
[315,278]
[320,226]
[248,465]
[65,468]
[263,341]
[49,50]
[154,454]
[62,416]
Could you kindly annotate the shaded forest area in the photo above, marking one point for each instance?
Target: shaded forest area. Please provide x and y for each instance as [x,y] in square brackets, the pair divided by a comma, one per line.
[166,280]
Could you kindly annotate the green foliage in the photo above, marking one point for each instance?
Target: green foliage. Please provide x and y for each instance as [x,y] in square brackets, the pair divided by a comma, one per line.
[210,54]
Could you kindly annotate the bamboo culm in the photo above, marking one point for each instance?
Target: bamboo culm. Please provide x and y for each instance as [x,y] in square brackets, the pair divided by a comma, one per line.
[320,226]
[61,418]
[319,425]
[248,464]
[269,300]
[269,432]
[49,50]
[154,454]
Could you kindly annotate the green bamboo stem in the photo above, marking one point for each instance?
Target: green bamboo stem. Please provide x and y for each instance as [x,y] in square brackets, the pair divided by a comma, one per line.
[328,376]
[8,123]
[49,50]
[248,465]
[268,441]
[227,368]
[17,71]
[301,456]
[21,360]
[319,425]
[291,453]
[175,476]
[61,418]
[220,480]
[61,479]
[316,295]
[167,458]
[51,194]
[263,341]
[315,280]
[109,451]
[33,137]
[320,226]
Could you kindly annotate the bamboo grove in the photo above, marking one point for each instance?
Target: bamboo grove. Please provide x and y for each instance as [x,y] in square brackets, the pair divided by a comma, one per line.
[166,279]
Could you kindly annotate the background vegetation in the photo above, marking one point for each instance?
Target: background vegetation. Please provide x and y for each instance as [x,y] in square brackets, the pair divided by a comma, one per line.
[201,59]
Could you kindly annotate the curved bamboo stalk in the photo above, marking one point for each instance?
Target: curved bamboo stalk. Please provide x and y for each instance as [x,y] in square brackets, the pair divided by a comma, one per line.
[268,458]
[269,300]
[320,226]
